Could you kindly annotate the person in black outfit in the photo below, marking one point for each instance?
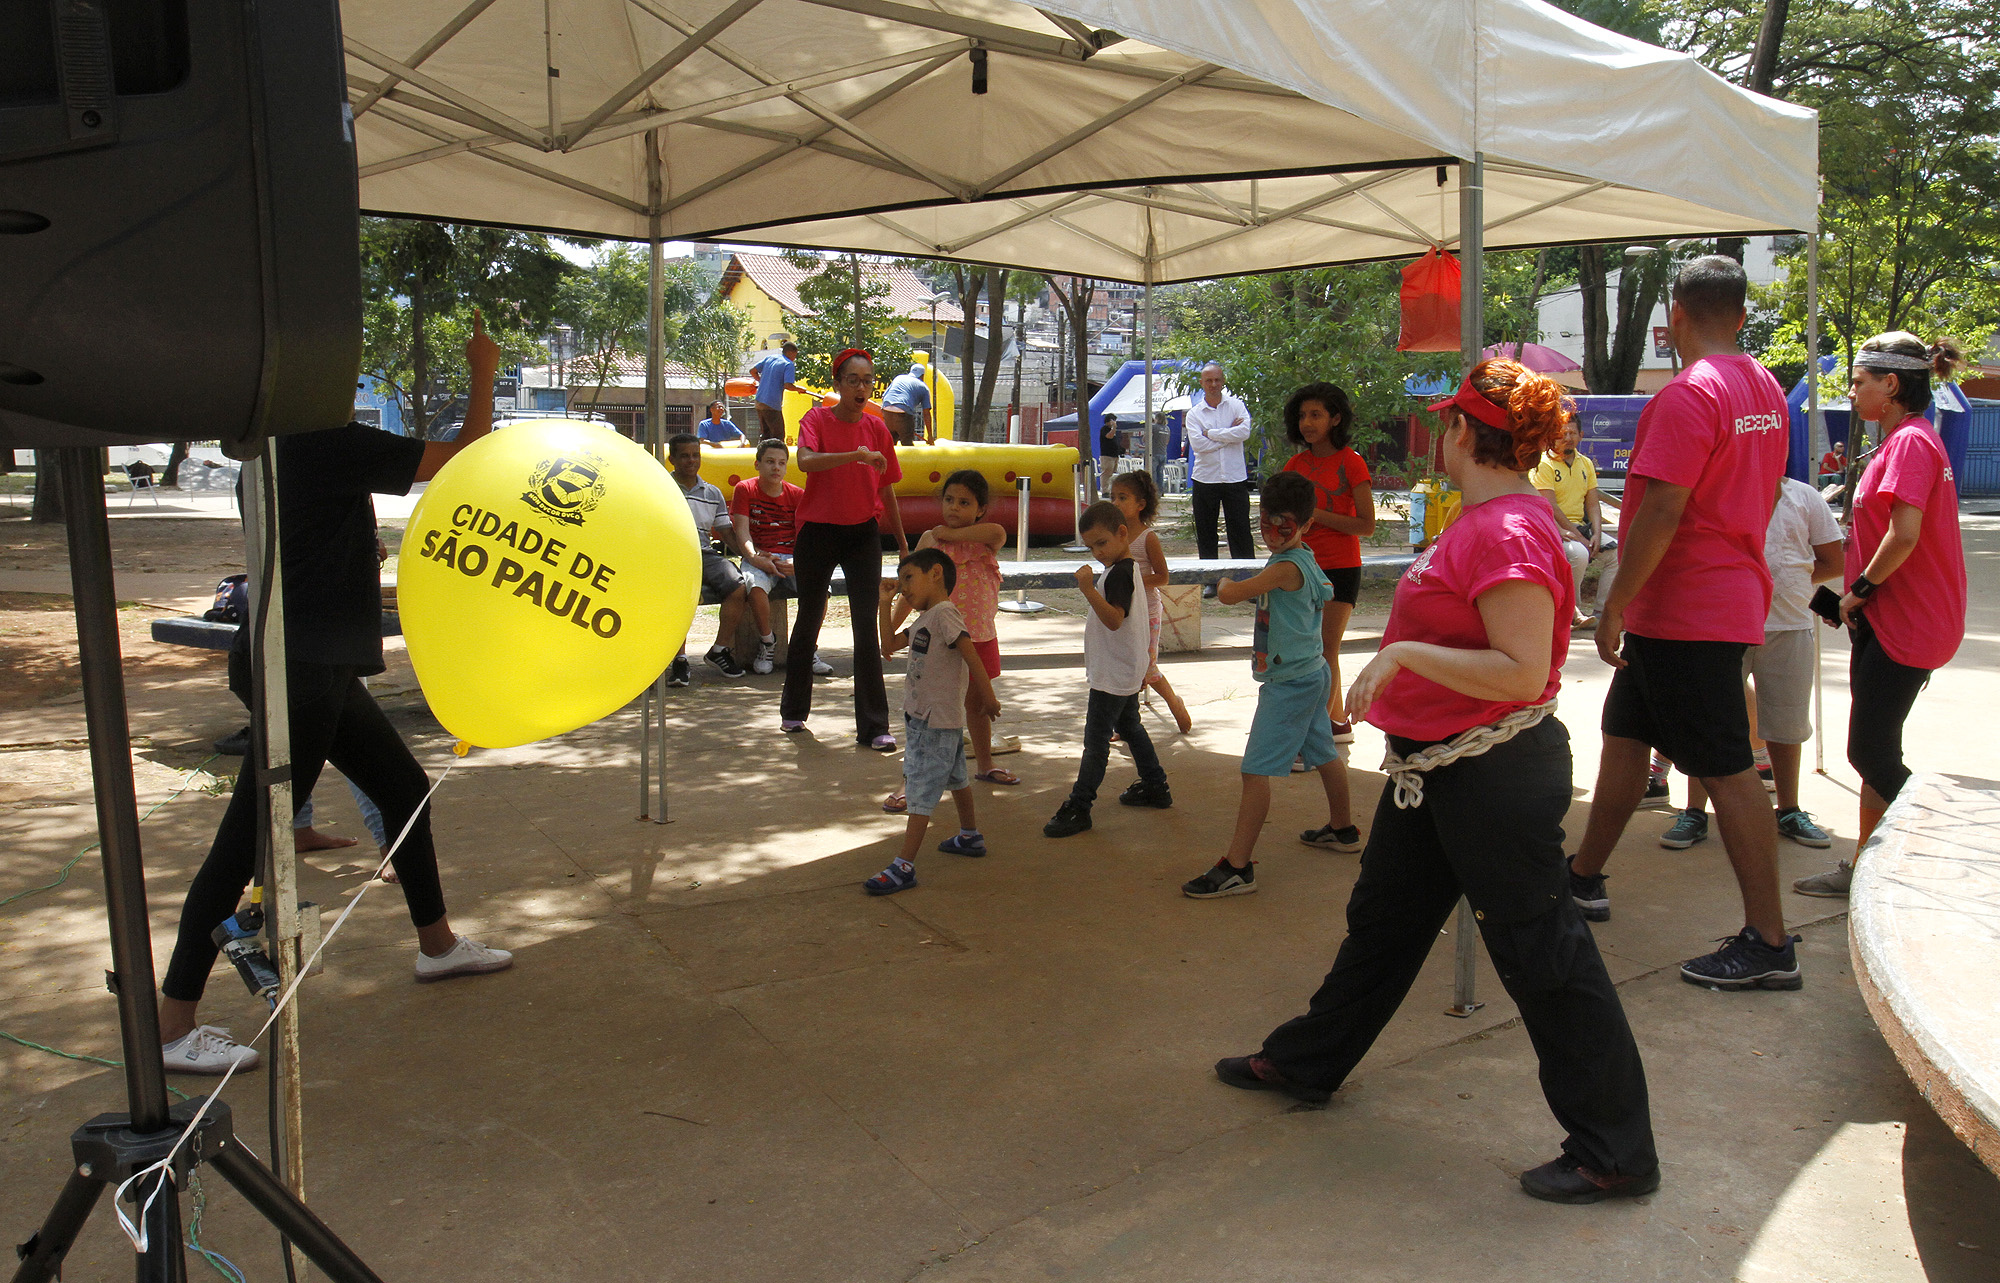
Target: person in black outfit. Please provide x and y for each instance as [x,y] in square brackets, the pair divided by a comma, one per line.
[333,638]
[1110,449]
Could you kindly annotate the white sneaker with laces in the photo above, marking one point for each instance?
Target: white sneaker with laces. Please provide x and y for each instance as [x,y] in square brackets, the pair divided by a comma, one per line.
[466,958]
[767,656]
[207,1049]
[820,667]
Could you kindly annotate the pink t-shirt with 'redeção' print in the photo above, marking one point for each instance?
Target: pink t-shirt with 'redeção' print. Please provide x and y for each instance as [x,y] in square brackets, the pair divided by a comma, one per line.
[1918,613]
[1722,430]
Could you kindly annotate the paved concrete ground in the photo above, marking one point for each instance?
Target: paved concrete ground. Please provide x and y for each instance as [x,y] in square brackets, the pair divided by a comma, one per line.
[717,1059]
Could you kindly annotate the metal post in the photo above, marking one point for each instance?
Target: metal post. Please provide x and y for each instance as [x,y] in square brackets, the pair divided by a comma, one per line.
[1021,605]
[264,546]
[1077,505]
[1816,442]
[656,319]
[1467,954]
[1819,709]
[1147,354]
[1471,338]
[645,746]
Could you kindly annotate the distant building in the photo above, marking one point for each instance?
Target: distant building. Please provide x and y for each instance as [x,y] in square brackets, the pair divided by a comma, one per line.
[766,287]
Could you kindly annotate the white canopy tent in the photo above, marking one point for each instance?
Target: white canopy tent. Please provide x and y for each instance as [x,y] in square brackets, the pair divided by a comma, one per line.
[1140,140]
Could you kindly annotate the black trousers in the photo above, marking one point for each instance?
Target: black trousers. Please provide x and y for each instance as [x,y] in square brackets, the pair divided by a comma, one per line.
[333,719]
[1107,713]
[1490,828]
[1232,498]
[857,550]
[1884,692]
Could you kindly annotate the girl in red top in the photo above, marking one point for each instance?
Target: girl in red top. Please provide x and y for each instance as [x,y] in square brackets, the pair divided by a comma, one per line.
[849,460]
[1319,419]
[1905,602]
[1471,660]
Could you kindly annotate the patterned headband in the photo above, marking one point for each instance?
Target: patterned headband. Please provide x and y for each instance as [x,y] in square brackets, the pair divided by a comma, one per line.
[1876,359]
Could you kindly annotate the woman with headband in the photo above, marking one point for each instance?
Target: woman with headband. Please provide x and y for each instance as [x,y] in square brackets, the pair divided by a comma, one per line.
[1905,601]
[849,460]
[1480,771]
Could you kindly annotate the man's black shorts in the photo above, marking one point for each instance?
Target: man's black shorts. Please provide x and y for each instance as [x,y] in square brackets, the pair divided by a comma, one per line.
[1685,698]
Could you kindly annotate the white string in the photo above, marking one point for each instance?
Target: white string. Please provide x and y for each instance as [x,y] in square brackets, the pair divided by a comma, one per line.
[1407,772]
[137,1233]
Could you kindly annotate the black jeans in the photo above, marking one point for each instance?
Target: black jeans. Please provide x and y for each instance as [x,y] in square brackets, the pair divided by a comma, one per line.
[857,550]
[1489,828]
[1233,500]
[1108,713]
[1884,692]
[333,719]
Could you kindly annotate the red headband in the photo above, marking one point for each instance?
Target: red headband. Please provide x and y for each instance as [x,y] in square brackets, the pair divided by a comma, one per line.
[1475,403]
[841,360]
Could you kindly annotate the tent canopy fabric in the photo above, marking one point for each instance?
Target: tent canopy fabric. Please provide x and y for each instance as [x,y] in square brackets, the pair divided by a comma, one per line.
[1136,140]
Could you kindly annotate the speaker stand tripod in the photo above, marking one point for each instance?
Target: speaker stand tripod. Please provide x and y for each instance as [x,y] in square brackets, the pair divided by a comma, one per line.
[110,1148]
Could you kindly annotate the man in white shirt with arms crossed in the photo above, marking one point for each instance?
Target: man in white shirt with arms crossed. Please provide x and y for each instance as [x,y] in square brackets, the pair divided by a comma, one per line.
[1217,425]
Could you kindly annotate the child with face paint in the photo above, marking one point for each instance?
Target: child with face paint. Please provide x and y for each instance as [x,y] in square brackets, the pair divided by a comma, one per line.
[1292,688]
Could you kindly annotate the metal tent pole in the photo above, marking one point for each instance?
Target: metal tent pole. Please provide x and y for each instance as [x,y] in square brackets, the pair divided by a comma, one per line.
[1147,353]
[1471,335]
[654,704]
[1816,448]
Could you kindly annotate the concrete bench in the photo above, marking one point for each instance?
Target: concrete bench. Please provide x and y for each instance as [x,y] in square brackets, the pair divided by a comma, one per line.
[1926,953]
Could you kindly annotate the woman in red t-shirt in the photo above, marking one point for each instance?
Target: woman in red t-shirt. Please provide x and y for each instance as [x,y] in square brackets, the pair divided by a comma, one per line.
[1471,661]
[1320,420]
[1905,601]
[849,460]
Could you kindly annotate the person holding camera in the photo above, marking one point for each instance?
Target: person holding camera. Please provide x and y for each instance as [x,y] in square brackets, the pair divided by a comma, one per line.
[1905,600]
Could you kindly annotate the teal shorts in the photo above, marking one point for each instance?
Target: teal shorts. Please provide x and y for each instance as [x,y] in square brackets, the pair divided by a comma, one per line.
[1291,722]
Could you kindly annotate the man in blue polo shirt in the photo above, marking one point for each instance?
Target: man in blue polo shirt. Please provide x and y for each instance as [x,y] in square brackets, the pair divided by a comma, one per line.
[774,379]
[906,405]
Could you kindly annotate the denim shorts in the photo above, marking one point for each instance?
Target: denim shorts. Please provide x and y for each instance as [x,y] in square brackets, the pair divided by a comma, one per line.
[1291,722]
[933,763]
[759,581]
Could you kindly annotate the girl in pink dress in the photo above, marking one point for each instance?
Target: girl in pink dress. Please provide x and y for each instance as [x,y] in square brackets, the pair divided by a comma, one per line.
[972,543]
[1139,499]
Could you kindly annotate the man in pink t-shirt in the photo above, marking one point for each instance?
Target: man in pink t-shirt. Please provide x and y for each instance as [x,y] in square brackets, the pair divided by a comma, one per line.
[1691,597]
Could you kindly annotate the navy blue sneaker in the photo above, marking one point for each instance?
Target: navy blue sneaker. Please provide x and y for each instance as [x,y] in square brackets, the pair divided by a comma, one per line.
[960,844]
[1745,962]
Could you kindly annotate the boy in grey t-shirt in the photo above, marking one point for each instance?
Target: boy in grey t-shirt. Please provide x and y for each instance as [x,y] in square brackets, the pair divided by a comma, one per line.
[942,660]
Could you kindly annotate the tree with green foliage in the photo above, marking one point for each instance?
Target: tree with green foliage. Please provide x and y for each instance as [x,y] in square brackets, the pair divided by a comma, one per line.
[604,304]
[848,298]
[420,281]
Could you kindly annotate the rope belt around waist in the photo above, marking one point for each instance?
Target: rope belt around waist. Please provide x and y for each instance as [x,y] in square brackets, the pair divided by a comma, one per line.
[1407,773]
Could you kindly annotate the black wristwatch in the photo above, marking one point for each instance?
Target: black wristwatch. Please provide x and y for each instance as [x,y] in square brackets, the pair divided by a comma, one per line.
[1862,588]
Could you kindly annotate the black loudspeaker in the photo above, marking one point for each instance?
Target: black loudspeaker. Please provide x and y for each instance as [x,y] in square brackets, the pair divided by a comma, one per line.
[179,224]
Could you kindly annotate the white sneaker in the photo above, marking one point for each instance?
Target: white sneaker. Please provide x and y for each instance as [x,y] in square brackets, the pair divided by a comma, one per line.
[767,656]
[208,1050]
[820,667]
[466,958]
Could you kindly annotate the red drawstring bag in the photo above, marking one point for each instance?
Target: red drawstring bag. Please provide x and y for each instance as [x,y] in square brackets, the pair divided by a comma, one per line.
[1430,304]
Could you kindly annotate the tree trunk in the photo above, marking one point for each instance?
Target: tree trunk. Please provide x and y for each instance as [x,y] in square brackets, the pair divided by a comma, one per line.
[1763,73]
[1590,275]
[1615,343]
[1534,304]
[854,266]
[176,456]
[989,370]
[1080,293]
[970,281]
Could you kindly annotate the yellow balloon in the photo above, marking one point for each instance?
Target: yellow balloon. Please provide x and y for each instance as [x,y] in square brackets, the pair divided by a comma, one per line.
[548,574]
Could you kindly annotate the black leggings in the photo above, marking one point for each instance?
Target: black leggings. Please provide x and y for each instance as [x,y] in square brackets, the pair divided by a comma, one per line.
[1232,499]
[333,719]
[857,550]
[1884,691]
[1490,828]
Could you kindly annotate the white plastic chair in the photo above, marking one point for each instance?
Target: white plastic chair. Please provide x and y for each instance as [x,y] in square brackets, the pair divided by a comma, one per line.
[141,481]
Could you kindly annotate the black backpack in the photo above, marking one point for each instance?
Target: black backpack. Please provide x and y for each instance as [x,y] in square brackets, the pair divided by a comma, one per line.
[232,601]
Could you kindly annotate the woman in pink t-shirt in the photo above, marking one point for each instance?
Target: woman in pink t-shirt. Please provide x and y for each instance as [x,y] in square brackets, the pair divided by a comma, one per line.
[1471,660]
[849,460]
[1905,601]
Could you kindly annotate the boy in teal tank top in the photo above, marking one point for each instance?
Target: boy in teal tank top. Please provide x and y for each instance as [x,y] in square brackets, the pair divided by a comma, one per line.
[1293,686]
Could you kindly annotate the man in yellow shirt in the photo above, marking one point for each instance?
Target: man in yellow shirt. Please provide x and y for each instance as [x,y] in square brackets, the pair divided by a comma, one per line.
[1568,480]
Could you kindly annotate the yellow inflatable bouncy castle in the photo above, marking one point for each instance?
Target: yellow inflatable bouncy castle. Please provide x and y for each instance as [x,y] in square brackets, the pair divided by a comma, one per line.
[1051,504]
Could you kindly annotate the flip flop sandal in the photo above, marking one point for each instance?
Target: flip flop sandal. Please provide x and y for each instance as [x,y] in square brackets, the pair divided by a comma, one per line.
[895,804]
[998,776]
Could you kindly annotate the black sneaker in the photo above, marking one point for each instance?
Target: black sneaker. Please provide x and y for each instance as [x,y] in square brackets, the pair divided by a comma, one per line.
[234,744]
[1328,838]
[1656,786]
[1589,894]
[1745,962]
[1140,793]
[678,673]
[1254,1073]
[1567,1180]
[1071,817]
[724,662]
[1223,879]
